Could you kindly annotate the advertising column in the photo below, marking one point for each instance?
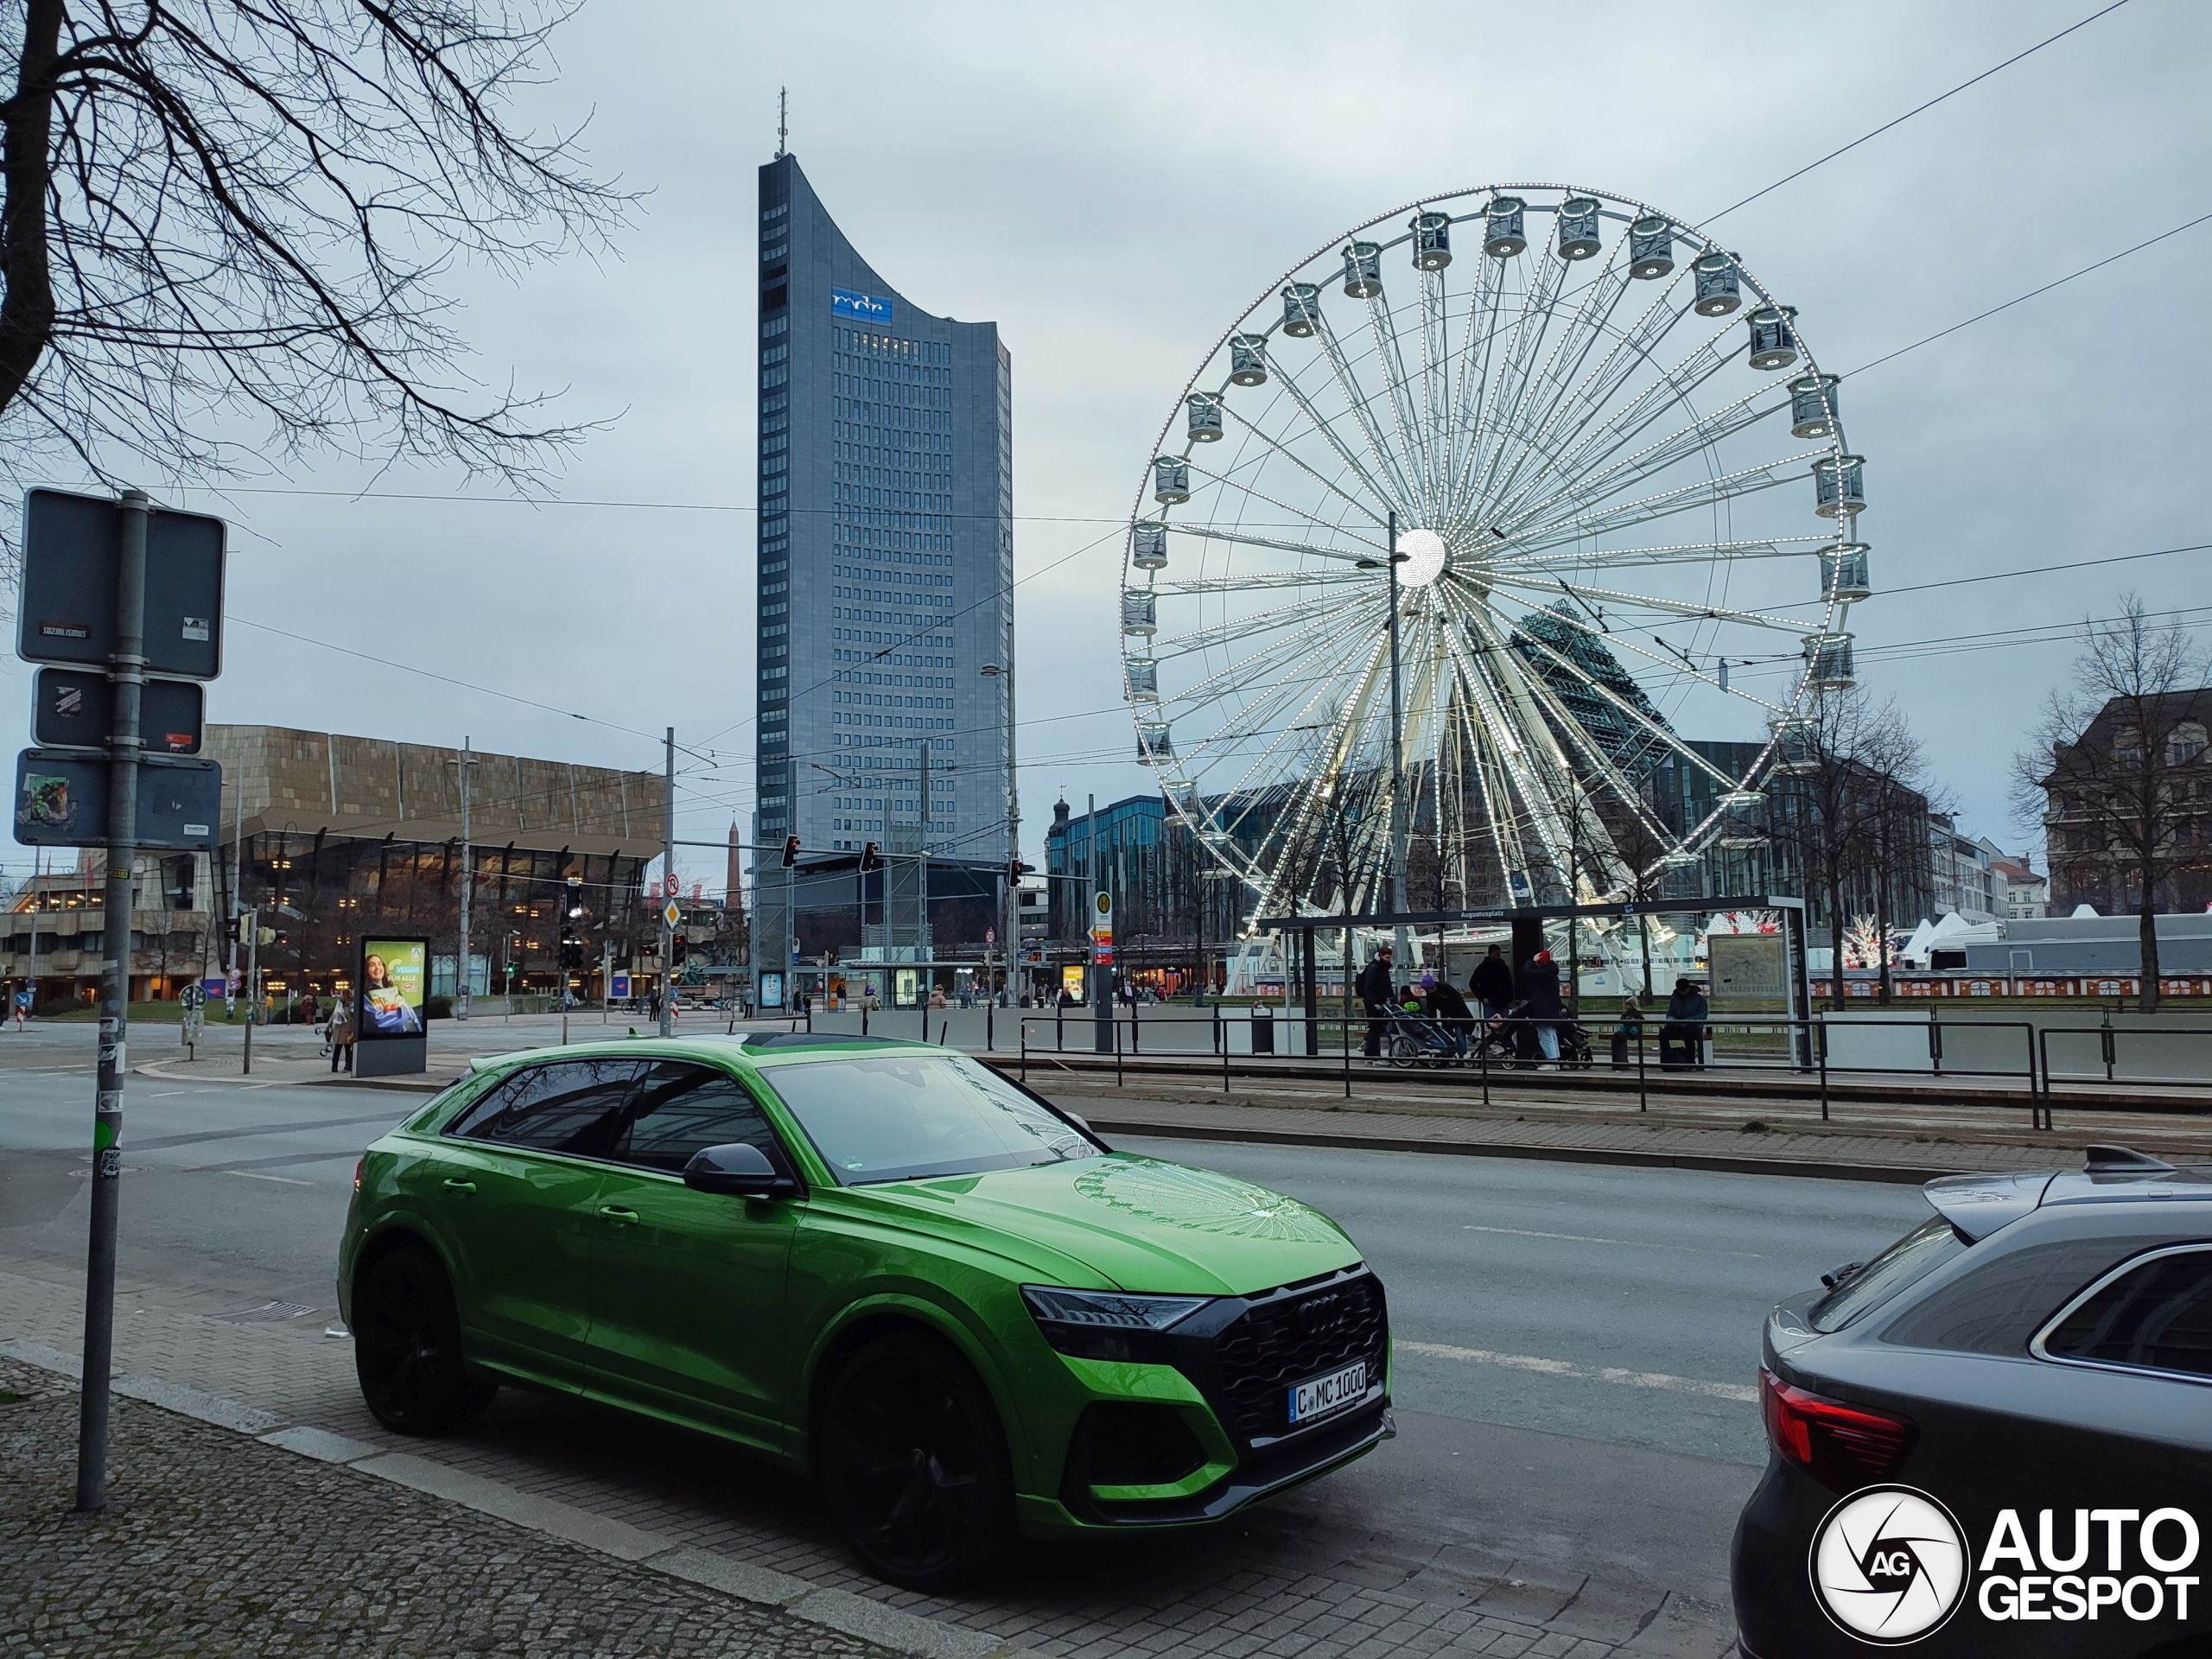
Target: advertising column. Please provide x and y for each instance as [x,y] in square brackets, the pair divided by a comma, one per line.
[389,1038]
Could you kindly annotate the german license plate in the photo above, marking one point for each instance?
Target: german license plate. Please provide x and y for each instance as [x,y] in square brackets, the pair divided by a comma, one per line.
[1326,1393]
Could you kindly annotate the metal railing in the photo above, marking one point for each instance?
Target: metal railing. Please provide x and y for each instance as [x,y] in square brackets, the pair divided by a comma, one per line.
[2110,1063]
[1508,1050]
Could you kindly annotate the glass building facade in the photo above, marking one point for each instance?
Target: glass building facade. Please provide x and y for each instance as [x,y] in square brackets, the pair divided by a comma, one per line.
[886,555]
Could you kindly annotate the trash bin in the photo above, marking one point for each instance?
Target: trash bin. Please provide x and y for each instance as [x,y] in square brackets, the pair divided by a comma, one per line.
[1263,1029]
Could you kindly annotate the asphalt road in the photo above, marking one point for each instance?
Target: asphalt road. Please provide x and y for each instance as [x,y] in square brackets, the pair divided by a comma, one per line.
[1576,1344]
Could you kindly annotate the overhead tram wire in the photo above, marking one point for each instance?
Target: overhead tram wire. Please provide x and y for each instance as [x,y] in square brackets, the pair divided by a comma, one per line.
[1917,108]
[2112,258]
[410,668]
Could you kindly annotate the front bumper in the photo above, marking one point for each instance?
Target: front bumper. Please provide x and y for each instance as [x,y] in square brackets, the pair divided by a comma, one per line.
[1192,1424]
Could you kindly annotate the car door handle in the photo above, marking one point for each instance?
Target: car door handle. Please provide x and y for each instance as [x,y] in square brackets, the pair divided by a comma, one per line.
[458,1185]
[616,1214]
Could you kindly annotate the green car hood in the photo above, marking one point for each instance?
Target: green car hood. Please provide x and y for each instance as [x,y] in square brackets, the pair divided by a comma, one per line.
[1140,1224]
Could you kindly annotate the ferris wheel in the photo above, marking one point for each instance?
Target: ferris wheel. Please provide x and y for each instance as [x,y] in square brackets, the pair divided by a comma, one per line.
[1496,554]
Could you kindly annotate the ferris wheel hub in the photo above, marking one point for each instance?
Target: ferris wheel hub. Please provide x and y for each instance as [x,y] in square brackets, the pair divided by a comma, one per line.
[1425,556]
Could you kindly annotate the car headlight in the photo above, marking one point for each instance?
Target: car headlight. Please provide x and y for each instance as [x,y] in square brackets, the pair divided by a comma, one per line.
[1104,1323]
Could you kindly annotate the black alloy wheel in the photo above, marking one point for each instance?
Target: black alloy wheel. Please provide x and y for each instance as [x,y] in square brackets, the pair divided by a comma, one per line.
[913,1463]
[407,1346]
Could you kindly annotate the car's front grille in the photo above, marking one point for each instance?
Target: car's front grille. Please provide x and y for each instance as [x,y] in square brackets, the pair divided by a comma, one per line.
[1277,1345]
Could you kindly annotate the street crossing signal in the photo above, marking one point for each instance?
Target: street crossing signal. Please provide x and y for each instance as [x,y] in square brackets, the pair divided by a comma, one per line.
[791,851]
[870,859]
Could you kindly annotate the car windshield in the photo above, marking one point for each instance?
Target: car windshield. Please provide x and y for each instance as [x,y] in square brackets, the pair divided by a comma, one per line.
[1911,1259]
[894,1117]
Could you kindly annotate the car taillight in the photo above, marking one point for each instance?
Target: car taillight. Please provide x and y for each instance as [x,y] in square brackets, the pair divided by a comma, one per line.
[357,1164]
[1839,1446]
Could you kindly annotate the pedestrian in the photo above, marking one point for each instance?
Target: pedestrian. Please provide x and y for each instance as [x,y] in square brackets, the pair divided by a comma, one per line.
[1446,1005]
[1629,1032]
[1375,986]
[869,1000]
[1540,982]
[308,1008]
[1681,1040]
[341,1034]
[1491,984]
[652,1005]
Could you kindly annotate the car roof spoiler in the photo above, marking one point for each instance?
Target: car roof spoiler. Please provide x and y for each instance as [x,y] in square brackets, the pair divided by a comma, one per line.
[1978,1204]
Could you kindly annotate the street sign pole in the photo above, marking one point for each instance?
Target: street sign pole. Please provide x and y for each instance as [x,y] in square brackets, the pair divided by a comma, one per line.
[127,669]
[668,882]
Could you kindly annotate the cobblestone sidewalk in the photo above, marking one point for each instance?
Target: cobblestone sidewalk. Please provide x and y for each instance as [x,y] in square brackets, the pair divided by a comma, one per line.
[215,1545]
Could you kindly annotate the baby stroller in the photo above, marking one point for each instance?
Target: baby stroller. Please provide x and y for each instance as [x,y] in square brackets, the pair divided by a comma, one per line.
[1574,1052]
[1503,1038]
[1415,1039]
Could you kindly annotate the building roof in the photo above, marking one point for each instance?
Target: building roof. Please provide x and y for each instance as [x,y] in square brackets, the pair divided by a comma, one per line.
[279,780]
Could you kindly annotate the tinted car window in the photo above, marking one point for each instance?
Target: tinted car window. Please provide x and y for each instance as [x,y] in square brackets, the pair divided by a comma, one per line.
[898,1117]
[2156,1315]
[1911,1259]
[568,1106]
[2009,1294]
[680,1109]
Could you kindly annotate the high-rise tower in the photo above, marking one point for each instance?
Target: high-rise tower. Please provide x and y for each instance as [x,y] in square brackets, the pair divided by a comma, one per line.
[886,554]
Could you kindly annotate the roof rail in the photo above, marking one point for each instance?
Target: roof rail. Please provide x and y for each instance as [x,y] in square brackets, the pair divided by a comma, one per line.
[2123,1161]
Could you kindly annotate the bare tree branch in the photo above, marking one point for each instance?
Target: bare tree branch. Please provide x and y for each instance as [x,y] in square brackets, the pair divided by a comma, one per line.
[227,227]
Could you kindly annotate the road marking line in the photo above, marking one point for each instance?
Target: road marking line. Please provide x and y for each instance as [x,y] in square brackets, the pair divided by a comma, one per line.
[258,1175]
[1660,1380]
[1588,1238]
[171,1094]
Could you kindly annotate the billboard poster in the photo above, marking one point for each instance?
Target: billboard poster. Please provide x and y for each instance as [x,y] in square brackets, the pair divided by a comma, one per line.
[393,975]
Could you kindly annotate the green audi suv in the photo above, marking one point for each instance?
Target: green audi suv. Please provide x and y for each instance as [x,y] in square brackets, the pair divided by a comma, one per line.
[881,1261]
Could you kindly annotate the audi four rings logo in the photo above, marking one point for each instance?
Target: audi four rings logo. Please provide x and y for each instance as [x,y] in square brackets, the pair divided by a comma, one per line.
[1889,1565]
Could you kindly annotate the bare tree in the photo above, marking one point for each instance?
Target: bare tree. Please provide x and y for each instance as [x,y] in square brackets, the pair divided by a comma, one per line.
[1895,848]
[2119,774]
[227,225]
[1856,797]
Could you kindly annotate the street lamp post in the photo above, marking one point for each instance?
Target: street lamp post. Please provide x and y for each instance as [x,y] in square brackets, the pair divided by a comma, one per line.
[1394,558]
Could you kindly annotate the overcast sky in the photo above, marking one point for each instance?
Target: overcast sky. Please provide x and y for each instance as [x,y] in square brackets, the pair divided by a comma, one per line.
[1112,187]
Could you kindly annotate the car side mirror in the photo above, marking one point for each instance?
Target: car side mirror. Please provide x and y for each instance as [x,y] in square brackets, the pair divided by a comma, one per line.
[740,1170]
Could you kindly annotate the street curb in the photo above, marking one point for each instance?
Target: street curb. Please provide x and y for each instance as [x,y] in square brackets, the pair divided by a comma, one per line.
[859,1616]
[408,1086]
[1810,1169]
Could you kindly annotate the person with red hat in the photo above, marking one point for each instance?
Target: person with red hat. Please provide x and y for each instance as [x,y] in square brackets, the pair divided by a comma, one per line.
[1540,987]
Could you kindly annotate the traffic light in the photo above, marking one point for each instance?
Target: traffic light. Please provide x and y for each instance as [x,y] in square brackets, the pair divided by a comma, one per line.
[870,859]
[1016,869]
[678,950]
[791,851]
[572,953]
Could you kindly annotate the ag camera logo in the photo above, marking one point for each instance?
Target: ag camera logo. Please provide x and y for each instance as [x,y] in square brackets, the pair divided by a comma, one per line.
[1889,1565]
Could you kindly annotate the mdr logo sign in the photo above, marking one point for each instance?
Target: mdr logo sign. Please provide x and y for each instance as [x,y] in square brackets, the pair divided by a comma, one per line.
[1891,1566]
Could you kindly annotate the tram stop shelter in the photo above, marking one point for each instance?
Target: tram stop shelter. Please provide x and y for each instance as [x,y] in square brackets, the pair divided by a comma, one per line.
[1528,923]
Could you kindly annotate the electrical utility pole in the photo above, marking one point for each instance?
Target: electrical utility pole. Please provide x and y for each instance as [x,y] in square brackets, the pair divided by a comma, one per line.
[468,975]
[1012,935]
[1401,939]
[927,952]
[127,673]
[668,894]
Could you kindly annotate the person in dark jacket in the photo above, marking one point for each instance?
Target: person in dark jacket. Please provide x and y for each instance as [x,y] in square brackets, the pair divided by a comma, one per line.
[1681,1040]
[1375,986]
[1491,984]
[1540,985]
[1446,1005]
